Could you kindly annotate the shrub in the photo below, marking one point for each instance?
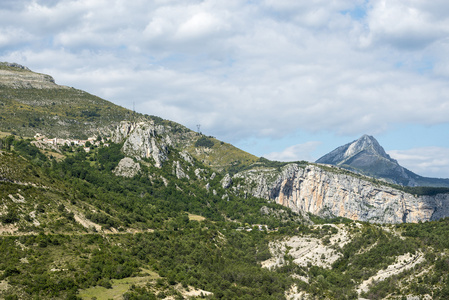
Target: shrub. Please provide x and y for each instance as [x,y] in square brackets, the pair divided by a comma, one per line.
[204,142]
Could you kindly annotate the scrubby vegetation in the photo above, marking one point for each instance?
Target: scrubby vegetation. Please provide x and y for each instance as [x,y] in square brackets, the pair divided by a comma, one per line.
[204,142]
[56,256]
[70,228]
[212,253]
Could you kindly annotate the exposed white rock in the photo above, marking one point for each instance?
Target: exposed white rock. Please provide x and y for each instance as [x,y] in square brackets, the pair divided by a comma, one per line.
[226,181]
[127,168]
[294,294]
[198,173]
[18,199]
[178,171]
[312,189]
[308,250]
[187,157]
[24,78]
[165,181]
[403,263]
[141,141]
[86,223]
[33,217]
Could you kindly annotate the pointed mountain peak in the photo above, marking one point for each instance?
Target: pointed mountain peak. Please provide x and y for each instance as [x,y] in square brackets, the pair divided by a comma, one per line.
[366,145]
[366,155]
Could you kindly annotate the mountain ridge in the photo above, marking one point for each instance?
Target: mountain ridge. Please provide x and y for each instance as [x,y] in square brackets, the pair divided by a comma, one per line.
[32,103]
[366,156]
[148,209]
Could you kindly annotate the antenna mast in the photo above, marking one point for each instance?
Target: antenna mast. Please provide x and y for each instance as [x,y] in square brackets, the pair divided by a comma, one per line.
[134,112]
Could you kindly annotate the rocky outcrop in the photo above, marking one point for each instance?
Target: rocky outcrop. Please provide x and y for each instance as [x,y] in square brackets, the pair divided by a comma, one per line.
[127,168]
[226,181]
[143,140]
[328,194]
[178,170]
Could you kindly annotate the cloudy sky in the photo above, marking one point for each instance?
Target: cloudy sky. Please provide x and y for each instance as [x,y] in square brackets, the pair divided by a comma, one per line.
[283,79]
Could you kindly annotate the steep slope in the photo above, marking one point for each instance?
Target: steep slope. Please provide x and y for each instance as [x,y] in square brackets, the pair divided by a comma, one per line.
[145,214]
[32,103]
[367,156]
[335,192]
[150,142]
[148,139]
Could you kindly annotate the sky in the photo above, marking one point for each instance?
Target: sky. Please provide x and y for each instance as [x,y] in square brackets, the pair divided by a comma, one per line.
[283,79]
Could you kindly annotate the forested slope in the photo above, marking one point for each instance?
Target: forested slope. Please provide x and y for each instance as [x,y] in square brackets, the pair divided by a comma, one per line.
[71,228]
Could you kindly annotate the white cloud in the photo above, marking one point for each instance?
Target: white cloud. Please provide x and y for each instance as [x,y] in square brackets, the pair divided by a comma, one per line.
[410,24]
[426,161]
[295,152]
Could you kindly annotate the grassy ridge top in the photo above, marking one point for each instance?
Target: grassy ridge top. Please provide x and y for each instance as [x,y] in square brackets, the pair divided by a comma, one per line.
[220,155]
[32,103]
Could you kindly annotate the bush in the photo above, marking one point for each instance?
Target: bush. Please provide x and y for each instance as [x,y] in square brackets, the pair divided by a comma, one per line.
[9,271]
[105,283]
[204,142]
[10,217]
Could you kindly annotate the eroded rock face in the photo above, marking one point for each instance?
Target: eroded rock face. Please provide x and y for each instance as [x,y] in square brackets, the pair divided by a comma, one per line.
[143,140]
[127,167]
[226,181]
[178,170]
[312,189]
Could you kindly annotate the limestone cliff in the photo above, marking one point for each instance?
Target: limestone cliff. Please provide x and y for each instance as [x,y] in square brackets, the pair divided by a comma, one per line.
[143,140]
[153,139]
[325,193]
[321,190]
[127,168]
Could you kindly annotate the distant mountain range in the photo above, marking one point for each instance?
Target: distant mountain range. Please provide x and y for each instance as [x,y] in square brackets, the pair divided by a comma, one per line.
[368,157]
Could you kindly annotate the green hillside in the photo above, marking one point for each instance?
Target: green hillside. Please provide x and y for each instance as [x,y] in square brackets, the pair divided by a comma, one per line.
[72,229]
[56,111]
[76,224]
[78,207]
[32,103]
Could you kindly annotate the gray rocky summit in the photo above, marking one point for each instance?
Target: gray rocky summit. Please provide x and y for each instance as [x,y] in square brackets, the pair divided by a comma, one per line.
[14,65]
[362,152]
[368,157]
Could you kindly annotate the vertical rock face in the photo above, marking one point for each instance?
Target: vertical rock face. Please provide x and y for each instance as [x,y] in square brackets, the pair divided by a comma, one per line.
[178,171]
[226,181]
[143,140]
[312,189]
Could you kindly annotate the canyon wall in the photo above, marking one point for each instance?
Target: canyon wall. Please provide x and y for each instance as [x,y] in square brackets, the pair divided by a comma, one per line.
[328,194]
